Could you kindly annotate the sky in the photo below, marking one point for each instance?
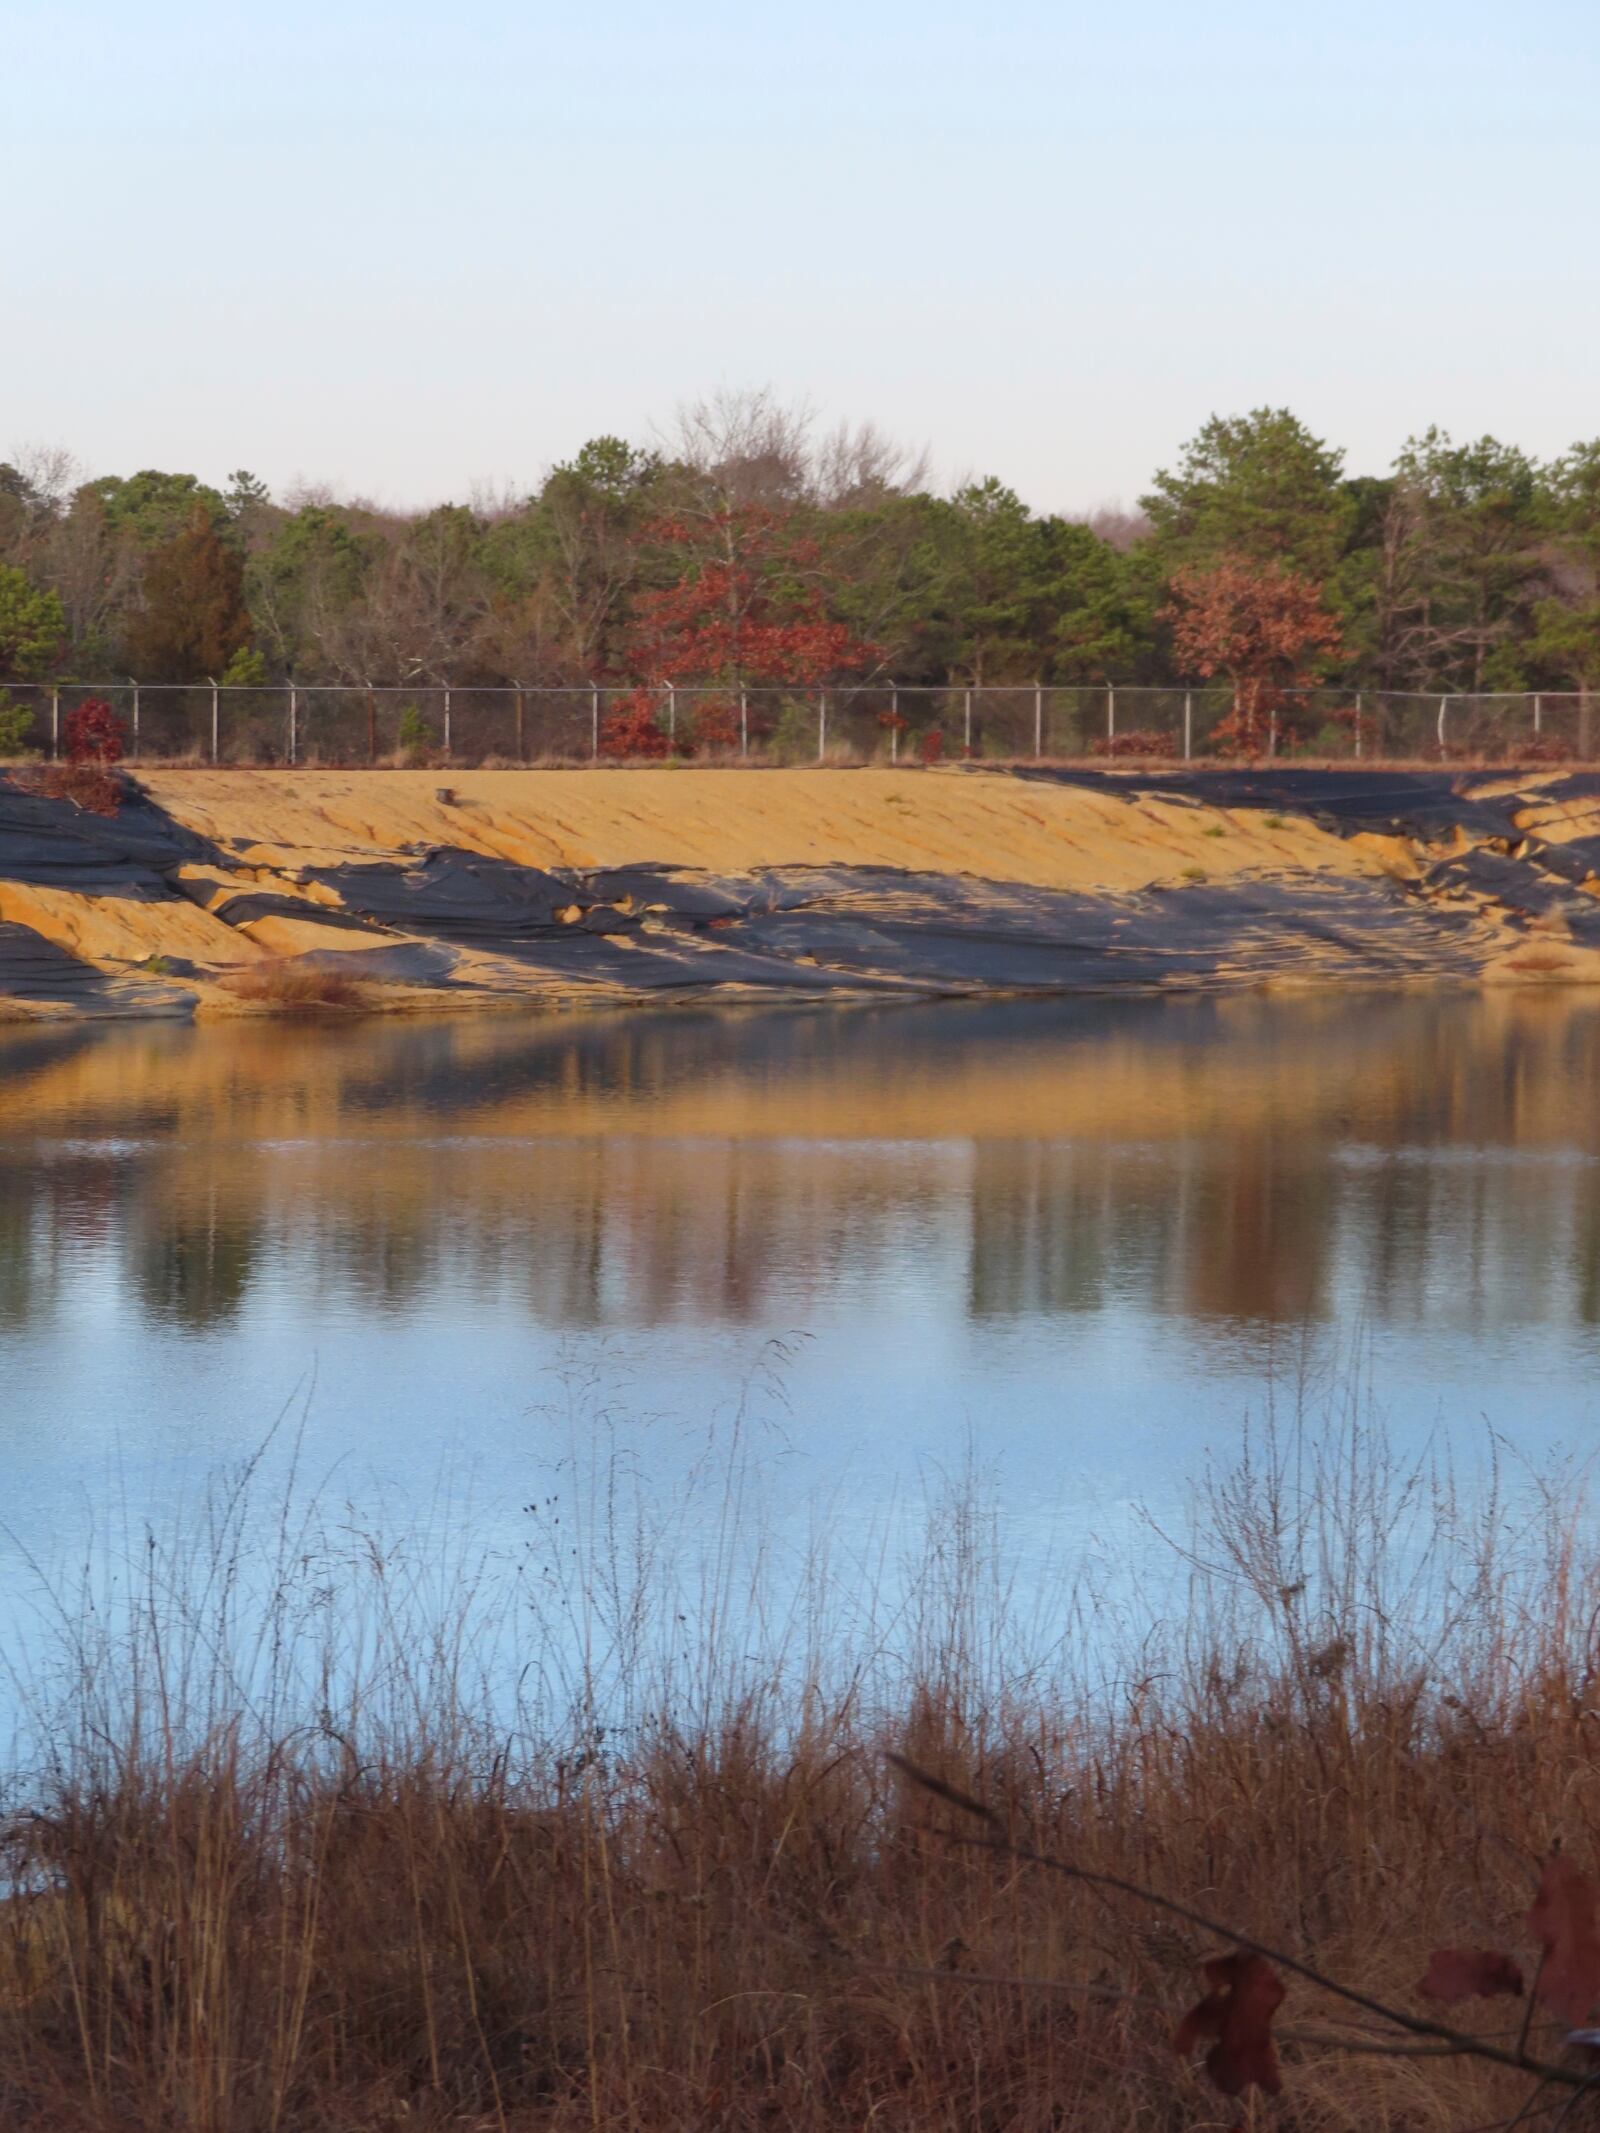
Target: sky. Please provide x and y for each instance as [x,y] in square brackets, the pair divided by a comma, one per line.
[409,250]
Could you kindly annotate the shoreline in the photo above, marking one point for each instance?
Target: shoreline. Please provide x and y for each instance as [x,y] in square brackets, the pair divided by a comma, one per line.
[216,894]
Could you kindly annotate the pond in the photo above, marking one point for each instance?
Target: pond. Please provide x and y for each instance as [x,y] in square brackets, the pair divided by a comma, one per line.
[1071,1245]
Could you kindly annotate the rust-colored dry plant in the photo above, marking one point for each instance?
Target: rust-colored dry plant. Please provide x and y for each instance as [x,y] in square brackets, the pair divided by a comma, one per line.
[88,785]
[292,985]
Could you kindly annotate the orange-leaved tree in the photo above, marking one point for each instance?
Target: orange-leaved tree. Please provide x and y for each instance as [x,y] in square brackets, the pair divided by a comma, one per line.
[1262,625]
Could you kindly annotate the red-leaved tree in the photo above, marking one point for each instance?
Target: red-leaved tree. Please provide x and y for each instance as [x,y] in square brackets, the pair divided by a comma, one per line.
[743,607]
[94,733]
[1261,625]
[88,778]
[634,727]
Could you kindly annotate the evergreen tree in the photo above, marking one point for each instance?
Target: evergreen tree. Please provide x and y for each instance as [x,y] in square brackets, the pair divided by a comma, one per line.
[1003,585]
[1258,487]
[1465,529]
[1102,620]
[194,617]
[152,508]
[32,627]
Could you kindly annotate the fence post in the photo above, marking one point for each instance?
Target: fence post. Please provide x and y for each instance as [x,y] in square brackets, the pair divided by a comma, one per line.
[744,722]
[1038,720]
[672,716]
[1443,705]
[594,722]
[372,725]
[1272,731]
[966,725]
[822,725]
[1538,716]
[135,719]
[522,753]
[55,723]
[1111,711]
[294,723]
[1358,725]
[1188,724]
[447,718]
[214,720]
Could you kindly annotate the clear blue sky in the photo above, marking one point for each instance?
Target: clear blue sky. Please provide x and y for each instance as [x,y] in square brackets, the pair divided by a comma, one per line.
[404,249]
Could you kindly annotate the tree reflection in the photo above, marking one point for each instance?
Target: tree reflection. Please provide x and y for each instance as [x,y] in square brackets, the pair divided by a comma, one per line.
[1408,1159]
[195,1279]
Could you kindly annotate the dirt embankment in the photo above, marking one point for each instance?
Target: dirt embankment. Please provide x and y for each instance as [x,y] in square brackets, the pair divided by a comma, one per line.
[235,892]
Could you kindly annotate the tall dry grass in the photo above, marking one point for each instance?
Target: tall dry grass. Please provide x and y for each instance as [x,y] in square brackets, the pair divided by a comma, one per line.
[323,1831]
[292,985]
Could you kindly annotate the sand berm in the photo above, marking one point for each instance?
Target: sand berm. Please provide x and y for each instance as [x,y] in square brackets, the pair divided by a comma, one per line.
[228,892]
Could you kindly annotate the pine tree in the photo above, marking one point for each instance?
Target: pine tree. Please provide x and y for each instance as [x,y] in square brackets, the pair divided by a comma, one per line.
[194,616]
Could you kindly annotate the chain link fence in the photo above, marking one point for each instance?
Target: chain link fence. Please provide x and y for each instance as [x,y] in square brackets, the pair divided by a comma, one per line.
[881,722]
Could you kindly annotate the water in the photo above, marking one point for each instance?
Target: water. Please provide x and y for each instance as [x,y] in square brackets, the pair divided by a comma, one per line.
[1074,1243]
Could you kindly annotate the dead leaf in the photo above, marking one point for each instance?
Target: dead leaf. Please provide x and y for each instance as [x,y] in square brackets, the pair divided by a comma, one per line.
[1563,1921]
[1469,1973]
[1246,1992]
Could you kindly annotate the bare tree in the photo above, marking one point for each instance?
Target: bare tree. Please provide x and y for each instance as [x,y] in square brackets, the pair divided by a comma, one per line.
[419,610]
[747,446]
[95,571]
[743,447]
[1118,527]
[855,467]
[493,502]
[304,495]
[36,482]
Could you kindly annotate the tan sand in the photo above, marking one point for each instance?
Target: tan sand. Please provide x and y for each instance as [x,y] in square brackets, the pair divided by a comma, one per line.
[735,821]
[270,827]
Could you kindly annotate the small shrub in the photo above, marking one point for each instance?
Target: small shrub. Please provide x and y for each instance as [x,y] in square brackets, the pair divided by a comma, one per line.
[930,746]
[1139,741]
[633,728]
[1335,737]
[715,723]
[90,786]
[295,987]
[794,736]
[16,730]
[95,734]
[1543,748]
[156,966]
[1193,874]
[1216,830]
[247,669]
[415,736]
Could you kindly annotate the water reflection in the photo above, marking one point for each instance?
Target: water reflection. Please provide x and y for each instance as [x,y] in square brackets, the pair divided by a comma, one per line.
[1251,1162]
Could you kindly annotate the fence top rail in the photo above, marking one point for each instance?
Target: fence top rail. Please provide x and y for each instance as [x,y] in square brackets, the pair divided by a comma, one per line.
[802,690]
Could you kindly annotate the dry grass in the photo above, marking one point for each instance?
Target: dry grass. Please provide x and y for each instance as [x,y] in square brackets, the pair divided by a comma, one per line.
[1540,962]
[92,787]
[284,1865]
[290,985]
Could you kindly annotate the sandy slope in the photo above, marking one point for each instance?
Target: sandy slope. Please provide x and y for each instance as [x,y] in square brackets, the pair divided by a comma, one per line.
[596,886]
[737,821]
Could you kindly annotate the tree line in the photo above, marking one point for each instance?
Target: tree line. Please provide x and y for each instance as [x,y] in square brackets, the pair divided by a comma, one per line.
[747,549]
